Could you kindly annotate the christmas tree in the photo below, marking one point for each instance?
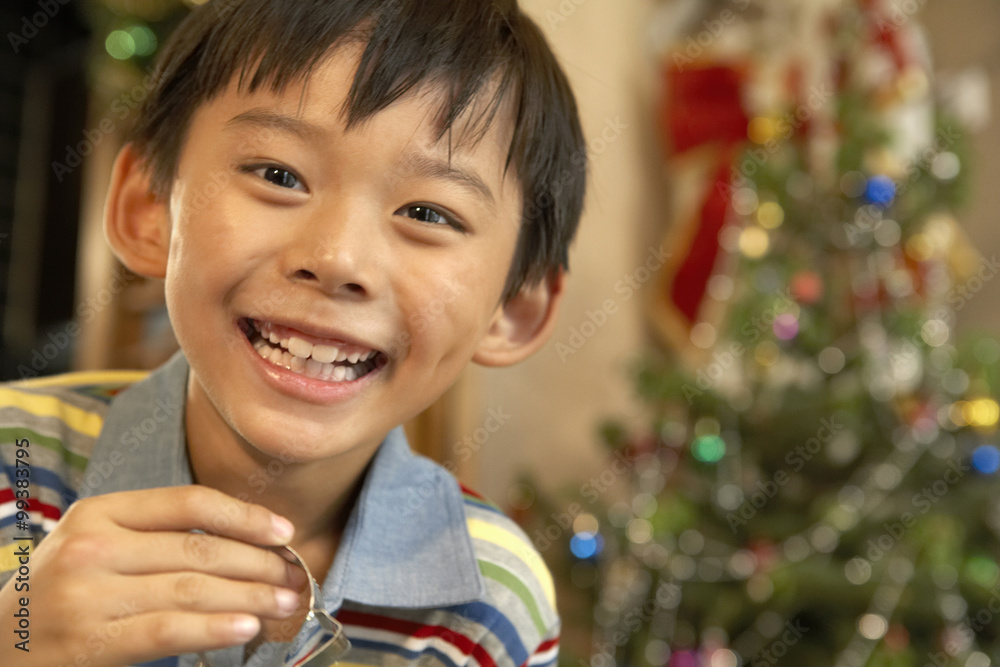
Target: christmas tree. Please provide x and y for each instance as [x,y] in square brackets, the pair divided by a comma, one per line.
[815,483]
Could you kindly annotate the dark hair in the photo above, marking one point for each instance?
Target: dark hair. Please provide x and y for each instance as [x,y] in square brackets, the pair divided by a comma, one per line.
[462,45]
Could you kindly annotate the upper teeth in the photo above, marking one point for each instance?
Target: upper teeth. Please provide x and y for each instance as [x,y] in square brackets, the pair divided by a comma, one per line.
[323,353]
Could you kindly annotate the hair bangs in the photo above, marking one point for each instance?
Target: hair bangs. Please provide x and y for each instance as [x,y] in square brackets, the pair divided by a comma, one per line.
[487,59]
[263,44]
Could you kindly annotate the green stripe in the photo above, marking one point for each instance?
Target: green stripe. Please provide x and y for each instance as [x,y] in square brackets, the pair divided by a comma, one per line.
[485,504]
[506,578]
[74,460]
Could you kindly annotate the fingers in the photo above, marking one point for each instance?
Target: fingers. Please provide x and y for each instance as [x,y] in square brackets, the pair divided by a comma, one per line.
[123,577]
[209,554]
[157,634]
[170,633]
[206,594]
[189,508]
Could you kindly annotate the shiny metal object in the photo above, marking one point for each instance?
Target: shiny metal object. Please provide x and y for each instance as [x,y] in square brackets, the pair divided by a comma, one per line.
[333,643]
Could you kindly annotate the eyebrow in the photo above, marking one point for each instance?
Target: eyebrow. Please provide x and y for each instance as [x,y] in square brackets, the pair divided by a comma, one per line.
[277,121]
[426,166]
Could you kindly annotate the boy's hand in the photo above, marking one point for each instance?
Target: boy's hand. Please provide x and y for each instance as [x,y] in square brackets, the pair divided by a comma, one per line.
[122,579]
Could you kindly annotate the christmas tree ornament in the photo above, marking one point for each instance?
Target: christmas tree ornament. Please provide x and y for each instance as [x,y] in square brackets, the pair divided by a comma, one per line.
[703,124]
[807,287]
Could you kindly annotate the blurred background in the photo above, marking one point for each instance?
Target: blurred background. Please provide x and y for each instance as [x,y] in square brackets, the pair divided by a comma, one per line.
[764,431]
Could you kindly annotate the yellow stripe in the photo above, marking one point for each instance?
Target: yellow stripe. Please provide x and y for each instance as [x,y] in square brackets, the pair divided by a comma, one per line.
[488,532]
[8,561]
[87,423]
[85,378]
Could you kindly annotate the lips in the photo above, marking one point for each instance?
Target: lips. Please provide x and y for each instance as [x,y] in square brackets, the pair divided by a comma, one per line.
[328,360]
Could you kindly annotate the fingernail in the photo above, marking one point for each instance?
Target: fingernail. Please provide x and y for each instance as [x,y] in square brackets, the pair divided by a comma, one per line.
[282,527]
[246,627]
[288,601]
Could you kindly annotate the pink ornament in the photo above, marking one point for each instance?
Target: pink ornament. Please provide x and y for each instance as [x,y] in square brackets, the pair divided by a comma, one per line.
[786,326]
[684,659]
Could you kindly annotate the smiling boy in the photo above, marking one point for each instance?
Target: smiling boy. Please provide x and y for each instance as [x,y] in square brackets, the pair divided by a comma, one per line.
[349,200]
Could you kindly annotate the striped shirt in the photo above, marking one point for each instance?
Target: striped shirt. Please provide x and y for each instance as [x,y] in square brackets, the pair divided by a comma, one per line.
[427,571]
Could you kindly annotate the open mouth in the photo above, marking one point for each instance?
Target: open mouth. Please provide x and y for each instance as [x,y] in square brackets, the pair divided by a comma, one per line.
[329,362]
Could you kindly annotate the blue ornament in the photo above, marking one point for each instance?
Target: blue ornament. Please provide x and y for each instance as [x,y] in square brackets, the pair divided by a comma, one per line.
[586,545]
[880,190]
[986,459]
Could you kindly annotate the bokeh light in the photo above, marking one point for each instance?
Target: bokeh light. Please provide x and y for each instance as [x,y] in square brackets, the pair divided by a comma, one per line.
[586,545]
[880,190]
[120,45]
[986,459]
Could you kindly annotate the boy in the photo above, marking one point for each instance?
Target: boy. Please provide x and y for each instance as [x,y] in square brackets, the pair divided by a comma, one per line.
[348,201]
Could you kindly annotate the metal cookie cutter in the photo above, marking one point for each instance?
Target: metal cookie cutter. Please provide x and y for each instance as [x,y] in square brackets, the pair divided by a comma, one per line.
[329,642]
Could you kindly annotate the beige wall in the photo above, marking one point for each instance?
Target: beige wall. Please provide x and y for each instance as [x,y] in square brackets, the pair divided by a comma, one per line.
[554,403]
[966,33]
[554,406]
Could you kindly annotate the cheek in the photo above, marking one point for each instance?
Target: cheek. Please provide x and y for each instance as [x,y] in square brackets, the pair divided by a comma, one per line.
[448,316]
[435,311]
[210,237]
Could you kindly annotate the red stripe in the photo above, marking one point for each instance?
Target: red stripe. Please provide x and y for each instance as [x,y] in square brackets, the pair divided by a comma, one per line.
[34,505]
[459,641]
[545,646]
[472,493]
[542,648]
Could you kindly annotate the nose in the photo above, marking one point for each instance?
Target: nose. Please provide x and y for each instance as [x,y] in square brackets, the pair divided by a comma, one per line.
[337,254]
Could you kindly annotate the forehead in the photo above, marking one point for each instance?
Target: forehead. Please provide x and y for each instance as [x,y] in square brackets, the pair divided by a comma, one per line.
[316,106]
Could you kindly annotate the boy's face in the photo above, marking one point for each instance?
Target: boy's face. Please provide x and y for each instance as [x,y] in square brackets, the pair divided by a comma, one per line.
[283,223]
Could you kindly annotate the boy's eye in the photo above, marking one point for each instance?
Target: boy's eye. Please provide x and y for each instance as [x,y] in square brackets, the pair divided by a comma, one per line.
[429,215]
[425,214]
[279,176]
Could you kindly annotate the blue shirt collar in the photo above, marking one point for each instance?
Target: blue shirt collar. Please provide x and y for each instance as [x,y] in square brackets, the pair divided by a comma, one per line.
[406,544]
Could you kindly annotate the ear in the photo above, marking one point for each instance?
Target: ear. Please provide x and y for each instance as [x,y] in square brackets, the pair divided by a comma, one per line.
[522,325]
[136,222]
